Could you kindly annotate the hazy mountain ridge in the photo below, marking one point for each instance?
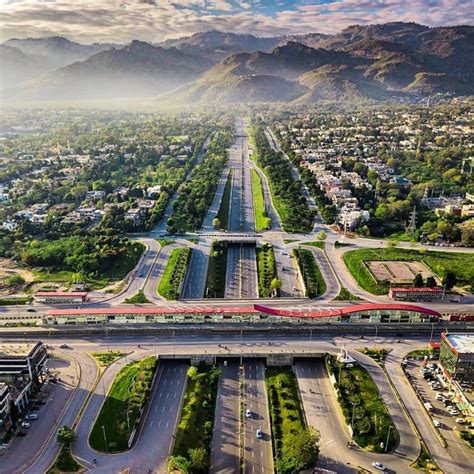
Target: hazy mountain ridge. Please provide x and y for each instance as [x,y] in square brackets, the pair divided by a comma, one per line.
[375,61]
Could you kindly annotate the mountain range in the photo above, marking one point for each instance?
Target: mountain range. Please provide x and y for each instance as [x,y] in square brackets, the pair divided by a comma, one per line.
[399,61]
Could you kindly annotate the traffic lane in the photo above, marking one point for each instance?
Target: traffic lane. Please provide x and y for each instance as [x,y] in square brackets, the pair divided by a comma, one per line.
[258,454]
[271,211]
[333,286]
[249,272]
[195,280]
[225,452]
[88,372]
[290,284]
[216,203]
[232,286]
[457,448]
[24,450]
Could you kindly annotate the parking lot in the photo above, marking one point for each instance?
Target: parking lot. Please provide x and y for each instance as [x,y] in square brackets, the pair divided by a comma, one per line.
[433,390]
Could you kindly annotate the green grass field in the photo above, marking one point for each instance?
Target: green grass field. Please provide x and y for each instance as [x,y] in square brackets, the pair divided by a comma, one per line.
[287,421]
[461,264]
[197,415]
[216,271]
[346,295]
[223,214]
[358,392]
[262,221]
[128,393]
[174,273]
[314,281]
[266,269]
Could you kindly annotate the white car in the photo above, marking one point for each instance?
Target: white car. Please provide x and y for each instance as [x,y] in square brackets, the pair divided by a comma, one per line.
[25,424]
[439,396]
[248,413]
[379,466]
[259,434]
[437,423]
[461,421]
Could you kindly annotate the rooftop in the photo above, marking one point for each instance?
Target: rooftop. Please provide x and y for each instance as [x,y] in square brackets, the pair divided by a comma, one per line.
[462,342]
[16,349]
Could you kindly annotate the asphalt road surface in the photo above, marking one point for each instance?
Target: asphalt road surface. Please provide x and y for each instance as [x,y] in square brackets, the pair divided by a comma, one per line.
[194,283]
[225,452]
[287,273]
[258,453]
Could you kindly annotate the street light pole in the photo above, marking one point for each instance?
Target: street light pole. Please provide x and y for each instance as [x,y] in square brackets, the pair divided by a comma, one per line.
[105,439]
[388,437]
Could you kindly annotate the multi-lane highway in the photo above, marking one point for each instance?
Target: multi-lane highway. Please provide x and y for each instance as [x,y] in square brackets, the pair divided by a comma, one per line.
[258,452]
[225,452]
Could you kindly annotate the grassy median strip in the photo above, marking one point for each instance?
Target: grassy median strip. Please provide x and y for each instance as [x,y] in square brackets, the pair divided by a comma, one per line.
[313,279]
[174,273]
[346,295]
[461,264]
[262,221]
[65,463]
[127,395]
[266,269]
[106,358]
[363,407]
[216,272]
[295,447]
[191,452]
[137,298]
[223,214]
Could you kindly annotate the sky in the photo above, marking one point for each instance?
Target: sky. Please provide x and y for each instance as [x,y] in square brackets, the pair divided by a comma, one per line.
[155,20]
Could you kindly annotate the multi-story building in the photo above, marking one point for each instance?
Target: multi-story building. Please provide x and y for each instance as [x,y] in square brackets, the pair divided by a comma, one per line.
[457,356]
[5,418]
[23,369]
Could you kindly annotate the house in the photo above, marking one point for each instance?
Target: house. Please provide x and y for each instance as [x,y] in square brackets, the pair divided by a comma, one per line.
[136,215]
[153,190]
[11,226]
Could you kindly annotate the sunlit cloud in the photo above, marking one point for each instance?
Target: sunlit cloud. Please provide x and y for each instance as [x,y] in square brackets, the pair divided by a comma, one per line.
[156,20]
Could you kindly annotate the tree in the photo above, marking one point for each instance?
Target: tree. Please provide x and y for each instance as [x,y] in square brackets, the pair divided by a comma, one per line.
[449,280]
[418,281]
[65,435]
[431,282]
[216,223]
[302,452]
[275,284]
[198,460]
[321,235]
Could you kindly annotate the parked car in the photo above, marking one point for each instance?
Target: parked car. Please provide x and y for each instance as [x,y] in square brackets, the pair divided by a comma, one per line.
[437,423]
[379,466]
[461,421]
[248,413]
[21,433]
[64,346]
[31,416]
[25,424]
[439,396]
[259,434]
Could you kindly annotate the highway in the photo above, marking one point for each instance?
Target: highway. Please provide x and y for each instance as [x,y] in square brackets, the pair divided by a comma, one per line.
[258,453]
[225,451]
[194,283]
[287,273]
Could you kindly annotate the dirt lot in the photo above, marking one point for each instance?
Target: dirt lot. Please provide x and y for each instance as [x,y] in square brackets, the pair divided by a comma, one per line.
[398,271]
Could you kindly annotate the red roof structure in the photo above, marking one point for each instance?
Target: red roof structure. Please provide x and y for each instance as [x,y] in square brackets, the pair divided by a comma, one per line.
[62,294]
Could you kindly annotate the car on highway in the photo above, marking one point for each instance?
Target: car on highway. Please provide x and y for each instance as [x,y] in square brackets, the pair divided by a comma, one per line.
[248,413]
[379,466]
[64,346]
[25,424]
[225,363]
[21,433]
[259,434]
[31,310]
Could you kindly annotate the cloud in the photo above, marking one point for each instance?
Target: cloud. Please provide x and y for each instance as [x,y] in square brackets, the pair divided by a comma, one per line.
[155,20]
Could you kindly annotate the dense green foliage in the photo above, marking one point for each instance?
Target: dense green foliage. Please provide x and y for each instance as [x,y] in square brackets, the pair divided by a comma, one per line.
[223,214]
[287,193]
[295,445]
[174,273]
[194,433]
[345,295]
[360,400]
[468,437]
[216,271]
[107,358]
[197,193]
[64,462]
[128,394]
[262,221]
[460,264]
[314,281]
[137,298]
[266,270]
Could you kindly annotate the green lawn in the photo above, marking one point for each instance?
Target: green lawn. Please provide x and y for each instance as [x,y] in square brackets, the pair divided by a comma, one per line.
[128,393]
[137,298]
[318,243]
[216,272]
[223,214]
[461,264]
[196,424]
[262,221]
[106,358]
[289,431]
[174,273]
[65,463]
[266,269]
[14,300]
[346,295]
[314,281]
[358,392]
